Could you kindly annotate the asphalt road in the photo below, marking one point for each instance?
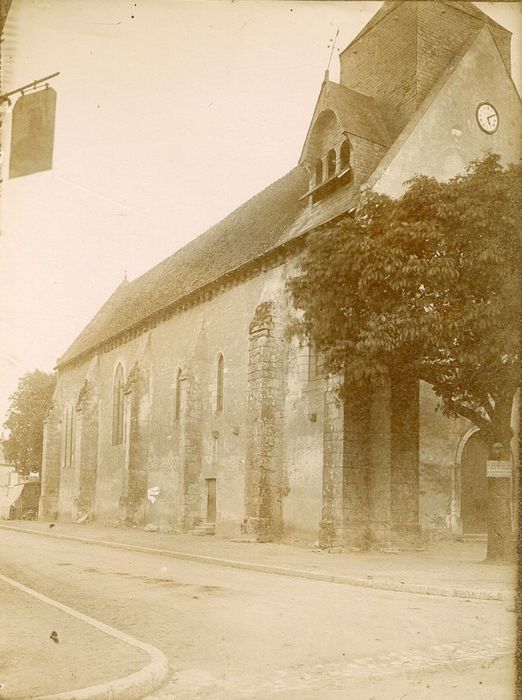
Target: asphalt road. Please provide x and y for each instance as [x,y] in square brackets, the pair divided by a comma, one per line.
[233,634]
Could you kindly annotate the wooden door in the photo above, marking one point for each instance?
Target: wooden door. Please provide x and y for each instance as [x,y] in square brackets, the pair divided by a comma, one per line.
[211,500]
[474,486]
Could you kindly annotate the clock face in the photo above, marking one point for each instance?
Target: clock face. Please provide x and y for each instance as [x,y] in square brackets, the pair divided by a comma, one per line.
[487,117]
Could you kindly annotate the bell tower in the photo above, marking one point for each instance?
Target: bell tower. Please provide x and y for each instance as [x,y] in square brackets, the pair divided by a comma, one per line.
[403,50]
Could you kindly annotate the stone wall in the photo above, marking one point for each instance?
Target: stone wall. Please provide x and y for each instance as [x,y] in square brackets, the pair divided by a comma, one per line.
[371,467]
[288,458]
[50,479]
[263,467]
[174,454]
[87,416]
[303,420]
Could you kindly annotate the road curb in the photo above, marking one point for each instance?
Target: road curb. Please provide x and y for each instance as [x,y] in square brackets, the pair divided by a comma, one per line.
[131,687]
[385,585]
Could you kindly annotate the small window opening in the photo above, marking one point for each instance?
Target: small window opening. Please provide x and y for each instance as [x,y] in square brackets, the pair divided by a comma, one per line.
[219,383]
[318,172]
[330,163]
[345,155]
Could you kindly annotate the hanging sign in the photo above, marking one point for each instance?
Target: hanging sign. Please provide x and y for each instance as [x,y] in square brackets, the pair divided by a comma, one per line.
[496,468]
[32,133]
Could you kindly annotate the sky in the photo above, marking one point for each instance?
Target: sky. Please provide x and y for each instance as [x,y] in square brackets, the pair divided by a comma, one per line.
[169,115]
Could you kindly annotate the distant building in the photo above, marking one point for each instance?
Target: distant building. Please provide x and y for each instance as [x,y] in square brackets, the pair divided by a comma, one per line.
[11,485]
[182,403]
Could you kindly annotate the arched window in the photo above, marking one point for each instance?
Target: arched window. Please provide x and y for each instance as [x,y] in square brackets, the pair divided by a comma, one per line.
[177,405]
[330,163]
[345,155]
[318,172]
[69,436]
[117,406]
[220,371]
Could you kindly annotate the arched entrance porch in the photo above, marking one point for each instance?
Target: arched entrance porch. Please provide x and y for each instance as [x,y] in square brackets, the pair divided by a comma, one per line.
[470,486]
[474,486]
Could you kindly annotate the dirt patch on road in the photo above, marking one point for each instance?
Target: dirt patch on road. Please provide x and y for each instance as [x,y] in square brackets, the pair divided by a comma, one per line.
[157,580]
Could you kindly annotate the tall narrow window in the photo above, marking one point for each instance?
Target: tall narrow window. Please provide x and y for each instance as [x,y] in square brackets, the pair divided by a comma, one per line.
[345,155]
[330,163]
[69,436]
[177,404]
[219,383]
[117,407]
[318,172]
[66,435]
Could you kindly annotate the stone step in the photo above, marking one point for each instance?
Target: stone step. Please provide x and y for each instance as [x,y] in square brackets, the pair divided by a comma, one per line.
[474,537]
[204,529]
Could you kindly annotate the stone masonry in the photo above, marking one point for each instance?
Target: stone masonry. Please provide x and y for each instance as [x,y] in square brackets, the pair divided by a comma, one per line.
[263,470]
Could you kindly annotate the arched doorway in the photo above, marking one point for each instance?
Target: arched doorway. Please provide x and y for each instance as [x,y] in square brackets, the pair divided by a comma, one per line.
[474,486]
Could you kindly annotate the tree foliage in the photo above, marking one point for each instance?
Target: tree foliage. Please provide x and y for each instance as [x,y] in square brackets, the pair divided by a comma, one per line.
[426,285]
[28,407]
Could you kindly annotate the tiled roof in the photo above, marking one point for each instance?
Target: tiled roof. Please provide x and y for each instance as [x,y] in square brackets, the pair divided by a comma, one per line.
[267,220]
[389,5]
[245,234]
[359,114]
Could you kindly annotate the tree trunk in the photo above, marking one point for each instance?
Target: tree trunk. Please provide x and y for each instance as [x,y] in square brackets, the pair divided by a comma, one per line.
[500,535]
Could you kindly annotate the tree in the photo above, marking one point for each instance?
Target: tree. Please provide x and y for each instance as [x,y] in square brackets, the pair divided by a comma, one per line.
[427,286]
[28,407]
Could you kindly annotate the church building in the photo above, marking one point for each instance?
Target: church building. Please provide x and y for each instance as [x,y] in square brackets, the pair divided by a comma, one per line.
[184,404]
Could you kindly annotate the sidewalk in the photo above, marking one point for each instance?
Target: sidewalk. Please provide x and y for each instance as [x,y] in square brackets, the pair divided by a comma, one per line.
[445,568]
[33,665]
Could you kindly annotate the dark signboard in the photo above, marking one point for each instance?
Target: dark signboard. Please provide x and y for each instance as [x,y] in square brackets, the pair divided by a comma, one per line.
[32,133]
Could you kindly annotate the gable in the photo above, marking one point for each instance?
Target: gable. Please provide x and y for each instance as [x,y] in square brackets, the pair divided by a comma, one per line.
[354,113]
[346,139]
[444,135]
